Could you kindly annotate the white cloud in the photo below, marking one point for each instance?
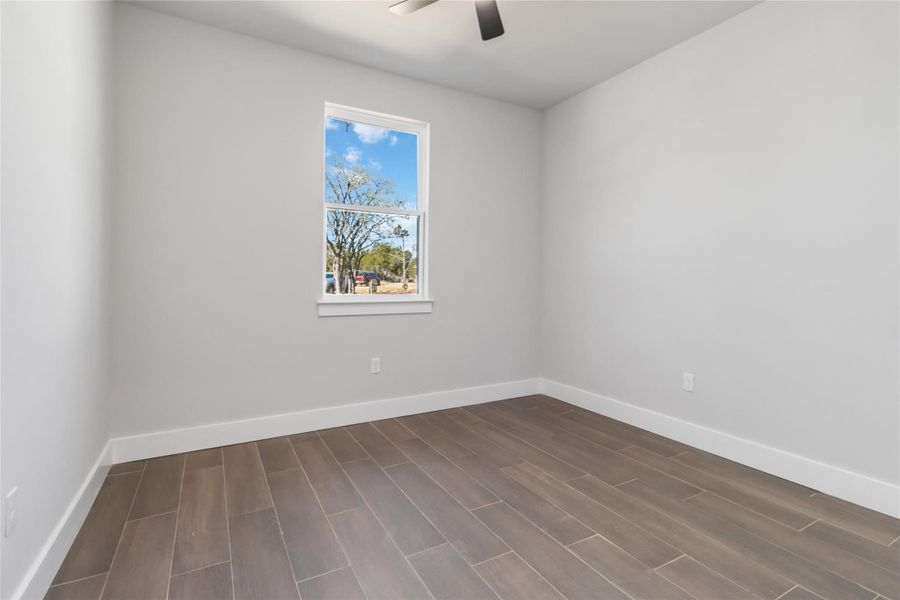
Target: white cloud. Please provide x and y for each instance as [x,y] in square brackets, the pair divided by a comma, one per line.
[331,124]
[374,164]
[352,154]
[394,140]
[369,134]
[328,152]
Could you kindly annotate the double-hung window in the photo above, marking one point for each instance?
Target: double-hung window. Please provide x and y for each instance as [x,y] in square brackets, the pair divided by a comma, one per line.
[374,258]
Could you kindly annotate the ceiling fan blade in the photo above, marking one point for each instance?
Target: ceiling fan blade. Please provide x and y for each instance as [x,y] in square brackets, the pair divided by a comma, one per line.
[404,7]
[489,19]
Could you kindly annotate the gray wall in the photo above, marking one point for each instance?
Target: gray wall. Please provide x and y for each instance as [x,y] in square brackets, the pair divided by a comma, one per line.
[218,228]
[730,208]
[55,94]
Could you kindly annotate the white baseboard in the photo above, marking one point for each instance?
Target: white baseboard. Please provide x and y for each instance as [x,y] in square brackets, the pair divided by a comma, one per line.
[836,481]
[842,483]
[40,574]
[161,443]
[853,487]
[42,571]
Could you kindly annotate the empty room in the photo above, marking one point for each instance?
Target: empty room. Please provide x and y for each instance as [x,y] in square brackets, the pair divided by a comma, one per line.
[450,300]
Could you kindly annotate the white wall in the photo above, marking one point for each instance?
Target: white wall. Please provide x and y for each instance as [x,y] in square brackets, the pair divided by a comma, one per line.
[55,84]
[730,208]
[218,227]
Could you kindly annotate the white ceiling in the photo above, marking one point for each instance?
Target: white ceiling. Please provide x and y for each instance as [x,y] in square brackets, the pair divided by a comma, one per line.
[552,49]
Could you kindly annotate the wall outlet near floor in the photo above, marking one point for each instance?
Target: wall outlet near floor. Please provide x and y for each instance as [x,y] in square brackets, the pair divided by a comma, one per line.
[10,511]
[376,365]
[687,382]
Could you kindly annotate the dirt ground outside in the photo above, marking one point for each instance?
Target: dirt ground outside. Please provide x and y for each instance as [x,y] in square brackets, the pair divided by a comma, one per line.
[387,287]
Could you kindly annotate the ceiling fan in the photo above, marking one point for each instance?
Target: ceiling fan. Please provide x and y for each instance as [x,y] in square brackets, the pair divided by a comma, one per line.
[488,14]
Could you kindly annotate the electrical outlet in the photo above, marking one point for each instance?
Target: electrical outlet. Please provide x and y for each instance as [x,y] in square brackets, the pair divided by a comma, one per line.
[10,511]
[376,365]
[687,382]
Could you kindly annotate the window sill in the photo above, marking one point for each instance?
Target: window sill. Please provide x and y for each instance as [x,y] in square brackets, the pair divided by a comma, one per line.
[348,307]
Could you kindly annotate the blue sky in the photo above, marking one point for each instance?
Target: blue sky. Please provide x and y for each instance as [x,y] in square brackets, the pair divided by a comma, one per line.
[385,152]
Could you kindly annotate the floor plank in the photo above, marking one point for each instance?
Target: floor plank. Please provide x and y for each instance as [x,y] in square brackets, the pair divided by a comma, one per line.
[332,487]
[553,405]
[448,577]
[626,572]
[886,557]
[143,559]
[83,589]
[599,508]
[201,459]
[466,490]
[548,517]
[277,454]
[513,579]
[560,424]
[750,575]
[628,433]
[535,422]
[472,540]
[245,481]
[701,582]
[465,417]
[211,583]
[759,501]
[160,487]
[546,462]
[522,402]
[743,475]
[201,539]
[799,593]
[342,445]
[644,546]
[828,556]
[135,466]
[607,465]
[874,525]
[393,430]
[259,561]
[303,437]
[542,401]
[487,450]
[312,546]
[381,570]
[556,564]
[337,585]
[378,447]
[615,468]
[92,551]
[791,566]
[490,413]
[403,521]
[434,437]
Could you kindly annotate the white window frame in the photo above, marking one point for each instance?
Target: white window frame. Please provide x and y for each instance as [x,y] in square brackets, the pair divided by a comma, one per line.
[333,305]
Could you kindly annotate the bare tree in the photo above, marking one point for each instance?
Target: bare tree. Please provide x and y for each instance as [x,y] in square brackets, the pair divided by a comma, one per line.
[350,234]
[402,234]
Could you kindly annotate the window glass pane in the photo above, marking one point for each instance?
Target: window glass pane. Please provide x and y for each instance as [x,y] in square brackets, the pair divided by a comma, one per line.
[371,253]
[369,165]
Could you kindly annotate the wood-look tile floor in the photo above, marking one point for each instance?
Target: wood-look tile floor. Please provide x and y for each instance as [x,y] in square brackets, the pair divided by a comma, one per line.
[521,499]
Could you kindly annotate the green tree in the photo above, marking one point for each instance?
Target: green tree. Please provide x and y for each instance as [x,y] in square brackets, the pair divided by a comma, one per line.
[388,262]
[383,260]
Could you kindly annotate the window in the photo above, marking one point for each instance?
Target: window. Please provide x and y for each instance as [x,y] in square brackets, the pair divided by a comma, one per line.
[374,214]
